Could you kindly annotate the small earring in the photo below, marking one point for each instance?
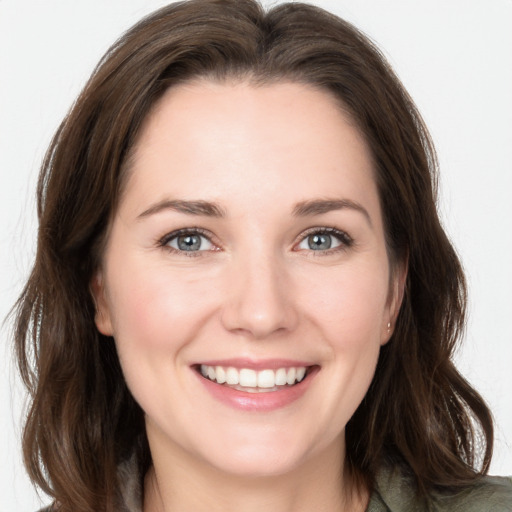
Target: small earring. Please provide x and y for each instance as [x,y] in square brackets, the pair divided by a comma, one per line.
[389,326]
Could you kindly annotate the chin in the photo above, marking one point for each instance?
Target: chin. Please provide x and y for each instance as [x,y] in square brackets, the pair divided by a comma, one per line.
[258,463]
[271,455]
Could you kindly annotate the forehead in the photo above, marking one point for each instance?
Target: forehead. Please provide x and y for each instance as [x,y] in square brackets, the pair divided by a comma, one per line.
[212,138]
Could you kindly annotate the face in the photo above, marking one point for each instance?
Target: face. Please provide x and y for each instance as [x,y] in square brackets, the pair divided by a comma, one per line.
[245,279]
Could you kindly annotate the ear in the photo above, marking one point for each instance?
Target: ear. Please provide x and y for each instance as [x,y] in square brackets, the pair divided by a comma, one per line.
[397,283]
[102,318]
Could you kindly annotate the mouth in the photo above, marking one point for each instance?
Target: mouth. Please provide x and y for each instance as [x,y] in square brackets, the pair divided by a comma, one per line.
[249,380]
[254,381]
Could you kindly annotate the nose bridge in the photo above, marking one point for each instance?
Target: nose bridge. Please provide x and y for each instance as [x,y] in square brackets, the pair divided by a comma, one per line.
[258,301]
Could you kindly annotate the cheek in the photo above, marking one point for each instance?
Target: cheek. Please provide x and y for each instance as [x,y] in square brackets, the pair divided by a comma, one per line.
[349,314]
[156,313]
[350,304]
[156,307]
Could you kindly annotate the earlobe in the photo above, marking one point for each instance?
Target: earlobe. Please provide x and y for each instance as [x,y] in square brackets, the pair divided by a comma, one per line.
[387,332]
[397,291]
[102,315]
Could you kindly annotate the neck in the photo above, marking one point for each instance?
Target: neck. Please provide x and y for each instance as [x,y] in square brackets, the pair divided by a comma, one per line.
[185,484]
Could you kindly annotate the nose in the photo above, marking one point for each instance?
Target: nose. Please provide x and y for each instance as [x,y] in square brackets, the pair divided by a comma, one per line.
[259,302]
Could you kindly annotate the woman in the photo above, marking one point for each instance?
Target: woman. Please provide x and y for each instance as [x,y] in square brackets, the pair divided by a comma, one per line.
[242,296]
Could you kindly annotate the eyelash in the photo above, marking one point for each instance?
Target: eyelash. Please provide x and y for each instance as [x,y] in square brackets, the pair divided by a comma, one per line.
[345,240]
[166,239]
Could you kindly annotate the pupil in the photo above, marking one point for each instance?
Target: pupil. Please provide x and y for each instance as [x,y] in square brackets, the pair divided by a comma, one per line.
[318,242]
[189,242]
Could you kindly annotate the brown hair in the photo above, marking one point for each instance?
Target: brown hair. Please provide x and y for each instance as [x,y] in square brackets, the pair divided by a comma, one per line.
[419,412]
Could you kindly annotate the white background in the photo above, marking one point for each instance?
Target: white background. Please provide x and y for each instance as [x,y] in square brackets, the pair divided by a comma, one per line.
[454,57]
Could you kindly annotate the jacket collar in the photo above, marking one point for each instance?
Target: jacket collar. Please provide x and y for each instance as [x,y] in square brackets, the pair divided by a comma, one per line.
[393,492]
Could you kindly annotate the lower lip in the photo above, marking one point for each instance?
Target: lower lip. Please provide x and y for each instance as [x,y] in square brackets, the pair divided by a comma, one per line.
[259,402]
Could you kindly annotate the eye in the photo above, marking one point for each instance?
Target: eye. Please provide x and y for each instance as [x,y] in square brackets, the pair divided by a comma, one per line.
[187,241]
[324,239]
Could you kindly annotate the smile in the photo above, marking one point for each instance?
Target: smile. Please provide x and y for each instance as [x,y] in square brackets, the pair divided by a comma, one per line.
[252,386]
[254,381]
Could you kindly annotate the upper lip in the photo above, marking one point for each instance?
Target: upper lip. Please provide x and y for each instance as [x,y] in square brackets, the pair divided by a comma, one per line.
[255,364]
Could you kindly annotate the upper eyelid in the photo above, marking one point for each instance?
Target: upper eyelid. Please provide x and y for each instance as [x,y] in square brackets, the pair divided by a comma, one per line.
[324,230]
[164,240]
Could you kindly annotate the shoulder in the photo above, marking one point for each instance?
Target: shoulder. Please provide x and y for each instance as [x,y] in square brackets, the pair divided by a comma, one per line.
[489,494]
[395,492]
[129,492]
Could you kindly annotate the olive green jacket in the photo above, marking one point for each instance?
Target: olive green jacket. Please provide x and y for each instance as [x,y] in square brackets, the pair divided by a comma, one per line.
[393,493]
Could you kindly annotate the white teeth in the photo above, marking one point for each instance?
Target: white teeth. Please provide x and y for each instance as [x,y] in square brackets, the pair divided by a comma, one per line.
[232,377]
[220,374]
[281,377]
[266,379]
[247,378]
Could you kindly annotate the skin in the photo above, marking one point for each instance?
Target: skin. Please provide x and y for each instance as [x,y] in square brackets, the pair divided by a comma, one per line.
[256,289]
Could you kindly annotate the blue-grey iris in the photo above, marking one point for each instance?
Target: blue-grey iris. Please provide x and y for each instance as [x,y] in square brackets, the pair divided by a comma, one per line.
[319,242]
[189,242]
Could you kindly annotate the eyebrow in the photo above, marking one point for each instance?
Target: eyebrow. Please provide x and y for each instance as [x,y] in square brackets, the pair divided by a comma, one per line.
[204,208]
[321,206]
[211,209]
